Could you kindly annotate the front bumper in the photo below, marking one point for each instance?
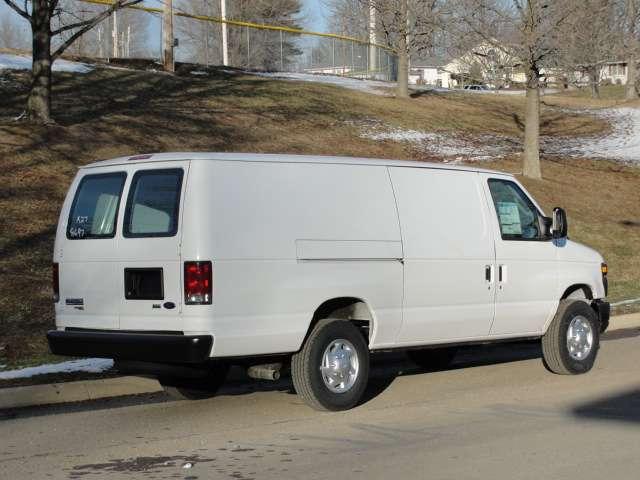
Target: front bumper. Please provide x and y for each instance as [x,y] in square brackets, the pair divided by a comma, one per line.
[148,347]
[603,309]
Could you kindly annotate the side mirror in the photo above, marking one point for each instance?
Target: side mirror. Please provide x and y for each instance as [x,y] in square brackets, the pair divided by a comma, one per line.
[559,227]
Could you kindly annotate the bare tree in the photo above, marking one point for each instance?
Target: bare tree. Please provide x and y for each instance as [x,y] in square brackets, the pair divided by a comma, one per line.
[630,43]
[530,31]
[10,32]
[348,17]
[588,43]
[128,38]
[39,14]
[410,28]
[252,48]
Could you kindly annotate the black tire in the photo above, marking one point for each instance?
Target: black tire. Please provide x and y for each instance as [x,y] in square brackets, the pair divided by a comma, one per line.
[555,351]
[306,374]
[196,388]
[433,359]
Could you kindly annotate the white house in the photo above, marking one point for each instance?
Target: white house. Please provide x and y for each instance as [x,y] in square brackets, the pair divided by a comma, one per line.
[484,63]
[614,72]
[432,75]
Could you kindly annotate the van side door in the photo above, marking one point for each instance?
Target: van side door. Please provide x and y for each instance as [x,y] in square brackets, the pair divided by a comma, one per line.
[149,248]
[448,255]
[526,257]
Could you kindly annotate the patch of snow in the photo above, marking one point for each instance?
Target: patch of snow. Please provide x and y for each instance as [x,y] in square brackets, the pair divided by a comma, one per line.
[455,148]
[376,87]
[622,143]
[20,62]
[198,72]
[92,365]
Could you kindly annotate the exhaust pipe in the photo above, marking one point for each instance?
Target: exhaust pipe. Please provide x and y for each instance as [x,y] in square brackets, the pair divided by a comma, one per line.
[267,371]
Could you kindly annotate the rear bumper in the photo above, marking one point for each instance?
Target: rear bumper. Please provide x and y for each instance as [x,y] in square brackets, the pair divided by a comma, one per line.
[150,347]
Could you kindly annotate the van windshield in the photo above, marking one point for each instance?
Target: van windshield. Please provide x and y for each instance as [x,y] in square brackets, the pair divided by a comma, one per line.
[95,206]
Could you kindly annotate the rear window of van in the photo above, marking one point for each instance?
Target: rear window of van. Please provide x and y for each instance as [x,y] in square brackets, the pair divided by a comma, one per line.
[95,206]
[153,203]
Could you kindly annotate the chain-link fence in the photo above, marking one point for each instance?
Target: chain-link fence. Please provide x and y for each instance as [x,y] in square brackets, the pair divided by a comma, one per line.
[136,32]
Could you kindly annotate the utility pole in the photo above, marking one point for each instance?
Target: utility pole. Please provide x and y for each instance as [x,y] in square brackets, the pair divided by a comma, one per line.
[167,36]
[372,37]
[114,34]
[225,41]
[128,50]
[100,42]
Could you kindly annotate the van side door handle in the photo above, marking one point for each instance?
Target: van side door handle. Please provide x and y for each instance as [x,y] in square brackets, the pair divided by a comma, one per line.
[488,273]
[502,273]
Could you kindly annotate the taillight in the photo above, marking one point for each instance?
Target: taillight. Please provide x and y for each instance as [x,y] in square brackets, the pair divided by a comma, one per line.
[56,282]
[198,283]
[604,268]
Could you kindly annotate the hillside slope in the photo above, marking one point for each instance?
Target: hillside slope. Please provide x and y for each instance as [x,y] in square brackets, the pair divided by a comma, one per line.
[110,112]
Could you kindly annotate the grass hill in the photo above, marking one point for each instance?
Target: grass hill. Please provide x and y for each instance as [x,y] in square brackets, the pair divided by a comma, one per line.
[112,112]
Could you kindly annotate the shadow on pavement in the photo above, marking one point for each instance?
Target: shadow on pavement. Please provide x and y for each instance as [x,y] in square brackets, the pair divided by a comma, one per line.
[620,407]
[385,368]
[86,406]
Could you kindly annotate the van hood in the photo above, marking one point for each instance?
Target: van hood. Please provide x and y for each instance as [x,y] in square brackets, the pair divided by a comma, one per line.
[577,252]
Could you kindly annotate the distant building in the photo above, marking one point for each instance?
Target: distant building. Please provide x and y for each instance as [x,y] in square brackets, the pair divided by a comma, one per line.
[432,75]
[614,72]
[482,64]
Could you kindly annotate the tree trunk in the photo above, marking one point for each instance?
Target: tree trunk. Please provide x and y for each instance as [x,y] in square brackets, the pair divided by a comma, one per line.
[631,92]
[594,80]
[403,54]
[403,74]
[167,36]
[531,158]
[39,100]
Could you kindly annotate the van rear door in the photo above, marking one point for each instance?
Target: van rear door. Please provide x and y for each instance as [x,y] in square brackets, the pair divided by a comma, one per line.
[150,263]
[86,249]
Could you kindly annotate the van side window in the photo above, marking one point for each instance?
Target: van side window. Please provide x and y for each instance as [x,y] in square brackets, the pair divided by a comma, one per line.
[153,204]
[517,215]
[95,206]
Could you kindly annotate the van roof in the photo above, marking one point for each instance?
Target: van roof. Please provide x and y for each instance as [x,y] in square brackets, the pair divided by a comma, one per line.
[281,158]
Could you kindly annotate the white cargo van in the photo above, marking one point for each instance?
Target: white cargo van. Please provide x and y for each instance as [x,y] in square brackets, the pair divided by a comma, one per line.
[179,265]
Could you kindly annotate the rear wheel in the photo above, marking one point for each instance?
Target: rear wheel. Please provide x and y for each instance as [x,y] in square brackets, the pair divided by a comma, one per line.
[332,369]
[433,358]
[196,388]
[571,343]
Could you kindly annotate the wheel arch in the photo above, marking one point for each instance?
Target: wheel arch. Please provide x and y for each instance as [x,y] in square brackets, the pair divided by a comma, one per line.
[574,291]
[354,309]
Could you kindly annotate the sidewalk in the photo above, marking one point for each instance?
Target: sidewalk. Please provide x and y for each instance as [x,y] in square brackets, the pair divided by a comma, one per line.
[53,393]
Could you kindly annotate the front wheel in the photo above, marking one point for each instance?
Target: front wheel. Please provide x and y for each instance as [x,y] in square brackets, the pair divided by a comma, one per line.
[332,369]
[571,343]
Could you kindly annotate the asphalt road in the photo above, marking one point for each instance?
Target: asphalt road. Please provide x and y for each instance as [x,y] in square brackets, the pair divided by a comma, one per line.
[497,414]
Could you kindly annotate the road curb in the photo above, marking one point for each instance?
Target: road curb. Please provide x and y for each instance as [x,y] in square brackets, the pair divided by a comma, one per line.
[47,394]
[66,392]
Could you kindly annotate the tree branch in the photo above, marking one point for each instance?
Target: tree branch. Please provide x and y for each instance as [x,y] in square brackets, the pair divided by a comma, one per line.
[72,26]
[88,25]
[53,4]
[23,13]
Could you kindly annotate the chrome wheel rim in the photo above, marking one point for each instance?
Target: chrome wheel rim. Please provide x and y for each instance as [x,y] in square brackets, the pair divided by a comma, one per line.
[340,366]
[579,338]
